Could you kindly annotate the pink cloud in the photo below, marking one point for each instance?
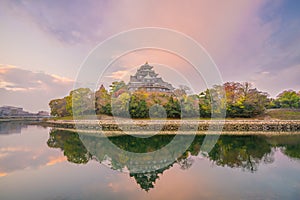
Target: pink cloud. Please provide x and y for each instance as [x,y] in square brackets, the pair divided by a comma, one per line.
[31,90]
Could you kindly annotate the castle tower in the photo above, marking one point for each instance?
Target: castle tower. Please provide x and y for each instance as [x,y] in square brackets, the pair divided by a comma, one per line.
[147,79]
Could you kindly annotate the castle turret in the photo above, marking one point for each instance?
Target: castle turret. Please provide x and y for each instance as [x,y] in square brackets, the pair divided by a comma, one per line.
[145,78]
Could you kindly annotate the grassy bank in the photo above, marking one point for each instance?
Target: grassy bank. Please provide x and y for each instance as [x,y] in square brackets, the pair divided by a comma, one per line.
[283,114]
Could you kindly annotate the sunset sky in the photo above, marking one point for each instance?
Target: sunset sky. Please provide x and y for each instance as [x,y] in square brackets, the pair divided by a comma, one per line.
[43,43]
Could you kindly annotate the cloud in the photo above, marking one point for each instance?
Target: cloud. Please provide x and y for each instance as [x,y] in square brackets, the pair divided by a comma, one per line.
[21,157]
[17,79]
[244,38]
[2,174]
[234,32]
[33,90]
[277,81]
[70,23]
[226,29]
[119,75]
[55,160]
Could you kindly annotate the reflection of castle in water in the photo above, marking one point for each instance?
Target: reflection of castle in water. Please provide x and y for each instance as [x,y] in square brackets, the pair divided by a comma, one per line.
[147,180]
[243,152]
[147,79]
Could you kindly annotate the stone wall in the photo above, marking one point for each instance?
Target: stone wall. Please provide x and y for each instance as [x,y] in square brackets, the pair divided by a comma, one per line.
[182,125]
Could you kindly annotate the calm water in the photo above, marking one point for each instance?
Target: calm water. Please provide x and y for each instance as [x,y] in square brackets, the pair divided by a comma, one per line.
[43,163]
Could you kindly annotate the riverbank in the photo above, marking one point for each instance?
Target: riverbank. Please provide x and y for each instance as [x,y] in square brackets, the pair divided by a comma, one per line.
[283,114]
[138,126]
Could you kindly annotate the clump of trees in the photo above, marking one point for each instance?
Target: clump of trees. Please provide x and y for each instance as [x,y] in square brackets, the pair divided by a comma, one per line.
[240,100]
[236,99]
[286,99]
[243,100]
[78,102]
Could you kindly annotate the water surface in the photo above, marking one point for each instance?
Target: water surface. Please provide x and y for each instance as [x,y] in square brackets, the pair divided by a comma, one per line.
[43,163]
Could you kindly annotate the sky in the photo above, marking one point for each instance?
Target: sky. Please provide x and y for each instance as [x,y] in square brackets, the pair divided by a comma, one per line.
[44,43]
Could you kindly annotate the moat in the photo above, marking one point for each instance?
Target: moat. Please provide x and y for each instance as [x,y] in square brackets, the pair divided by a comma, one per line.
[70,165]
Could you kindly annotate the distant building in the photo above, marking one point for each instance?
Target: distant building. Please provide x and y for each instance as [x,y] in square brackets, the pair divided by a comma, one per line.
[146,79]
[11,111]
[43,114]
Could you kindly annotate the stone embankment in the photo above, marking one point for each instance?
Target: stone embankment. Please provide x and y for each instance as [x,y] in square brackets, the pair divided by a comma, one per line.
[180,125]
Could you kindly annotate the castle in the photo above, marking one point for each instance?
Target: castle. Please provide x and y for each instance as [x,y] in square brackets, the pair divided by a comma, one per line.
[146,79]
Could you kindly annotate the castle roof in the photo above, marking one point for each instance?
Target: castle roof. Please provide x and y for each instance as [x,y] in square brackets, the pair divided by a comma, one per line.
[146,78]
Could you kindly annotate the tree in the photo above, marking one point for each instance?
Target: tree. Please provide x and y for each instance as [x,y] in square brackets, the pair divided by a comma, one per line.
[255,102]
[205,104]
[117,88]
[173,108]
[218,101]
[289,99]
[157,111]
[212,102]
[186,89]
[190,106]
[273,103]
[102,101]
[183,90]
[120,105]
[81,102]
[137,105]
[243,100]
[58,107]
[179,93]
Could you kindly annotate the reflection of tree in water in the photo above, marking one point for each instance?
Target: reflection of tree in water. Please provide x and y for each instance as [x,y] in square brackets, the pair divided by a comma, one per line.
[141,145]
[290,144]
[245,152]
[71,145]
[292,151]
[185,161]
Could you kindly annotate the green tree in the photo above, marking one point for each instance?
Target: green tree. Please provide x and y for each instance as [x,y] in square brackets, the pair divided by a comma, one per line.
[273,103]
[289,99]
[117,88]
[218,101]
[58,108]
[173,108]
[102,101]
[205,104]
[137,105]
[80,102]
[157,111]
[120,105]
[190,106]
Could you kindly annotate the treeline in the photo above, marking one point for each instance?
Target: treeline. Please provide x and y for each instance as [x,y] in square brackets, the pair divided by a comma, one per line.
[242,100]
